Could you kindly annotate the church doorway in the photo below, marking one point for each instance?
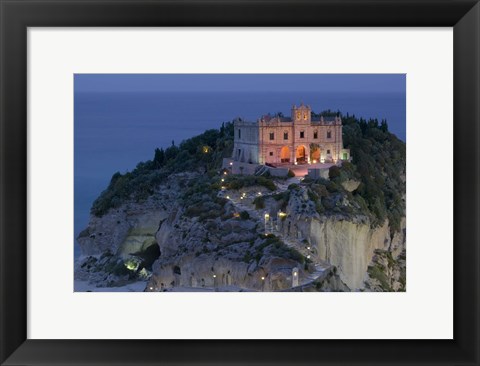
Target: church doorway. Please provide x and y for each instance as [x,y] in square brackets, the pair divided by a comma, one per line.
[285,154]
[315,154]
[301,155]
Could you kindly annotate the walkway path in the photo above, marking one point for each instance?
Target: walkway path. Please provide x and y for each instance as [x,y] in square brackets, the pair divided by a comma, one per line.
[322,268]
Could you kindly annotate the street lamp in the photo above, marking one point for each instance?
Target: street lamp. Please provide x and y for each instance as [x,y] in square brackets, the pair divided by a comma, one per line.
[267,217]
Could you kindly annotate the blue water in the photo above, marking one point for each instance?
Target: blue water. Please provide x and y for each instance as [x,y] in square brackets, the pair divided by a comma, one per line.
[116,130]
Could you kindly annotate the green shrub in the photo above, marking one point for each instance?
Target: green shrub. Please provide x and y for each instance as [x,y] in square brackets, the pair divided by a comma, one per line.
[241,181]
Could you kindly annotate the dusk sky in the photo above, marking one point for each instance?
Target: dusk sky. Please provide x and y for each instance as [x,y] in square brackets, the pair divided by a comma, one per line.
[241,82]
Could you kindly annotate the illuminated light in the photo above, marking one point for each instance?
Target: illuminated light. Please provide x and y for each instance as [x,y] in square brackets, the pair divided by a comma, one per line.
[236,214]
[223,180]
[224,173]
[295,274]
[205,149]
[314,161]
[151,288]
[263,278]
[228,197]
[259,193]
[308,256]
[282,214]
[131,265]
[267,216]
[308,248]
[214,275]
[231,163]
[223,187]
[241,198]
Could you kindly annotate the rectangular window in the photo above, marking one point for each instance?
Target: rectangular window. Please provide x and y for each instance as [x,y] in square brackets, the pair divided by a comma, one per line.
[239,134]
[329,135]
[271,153]
[315,135]
[285,135]
[328,151]
[302,134]
[239,152]
[272,136]
[344,156]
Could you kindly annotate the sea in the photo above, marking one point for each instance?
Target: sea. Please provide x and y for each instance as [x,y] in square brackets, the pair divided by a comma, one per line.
[114,131]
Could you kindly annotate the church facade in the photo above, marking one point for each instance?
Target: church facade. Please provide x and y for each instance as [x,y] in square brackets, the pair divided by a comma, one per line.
[298,139]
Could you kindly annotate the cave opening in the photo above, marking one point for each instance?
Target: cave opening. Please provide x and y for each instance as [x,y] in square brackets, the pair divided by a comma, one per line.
[148,256]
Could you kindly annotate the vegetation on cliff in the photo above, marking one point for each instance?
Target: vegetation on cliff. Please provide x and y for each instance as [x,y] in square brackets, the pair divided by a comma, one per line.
[203,152]
[379,161]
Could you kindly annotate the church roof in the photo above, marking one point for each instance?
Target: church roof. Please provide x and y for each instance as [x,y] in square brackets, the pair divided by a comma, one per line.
[325,119]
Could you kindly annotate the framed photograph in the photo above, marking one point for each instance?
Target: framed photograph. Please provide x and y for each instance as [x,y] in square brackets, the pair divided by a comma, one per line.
[231,183]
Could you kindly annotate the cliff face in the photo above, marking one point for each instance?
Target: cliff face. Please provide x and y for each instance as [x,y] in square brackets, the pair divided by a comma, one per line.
[347,242]
[128,229]
[348,246]
[227,246]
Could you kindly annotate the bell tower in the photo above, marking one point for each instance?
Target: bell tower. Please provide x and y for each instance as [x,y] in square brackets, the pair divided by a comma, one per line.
[301,114]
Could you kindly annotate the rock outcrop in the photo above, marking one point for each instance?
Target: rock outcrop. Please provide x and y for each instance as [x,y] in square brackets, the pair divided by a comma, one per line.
[227,249]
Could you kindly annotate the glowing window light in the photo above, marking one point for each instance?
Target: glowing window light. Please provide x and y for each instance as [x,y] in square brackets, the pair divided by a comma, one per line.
[282,214]
[295,274]
[267,216]
[263,278]
[205,149]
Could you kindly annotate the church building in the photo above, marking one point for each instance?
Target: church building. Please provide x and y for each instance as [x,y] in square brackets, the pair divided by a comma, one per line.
[298,139]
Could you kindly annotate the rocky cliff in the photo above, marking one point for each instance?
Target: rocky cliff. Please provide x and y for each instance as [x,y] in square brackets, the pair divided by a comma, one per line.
[208,241]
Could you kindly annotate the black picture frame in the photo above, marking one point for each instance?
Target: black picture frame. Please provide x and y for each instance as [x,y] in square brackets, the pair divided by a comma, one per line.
[17,15]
